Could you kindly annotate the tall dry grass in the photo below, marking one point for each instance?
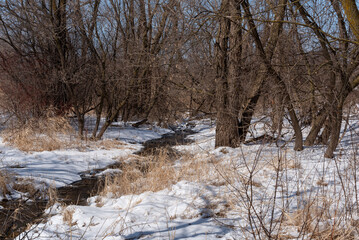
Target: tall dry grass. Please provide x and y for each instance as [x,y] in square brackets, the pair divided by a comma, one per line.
[159,171]
[39,134]
[5,180]
[140,174]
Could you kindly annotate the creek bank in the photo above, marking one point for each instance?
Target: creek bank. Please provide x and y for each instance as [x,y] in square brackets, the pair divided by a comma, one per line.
[17,214]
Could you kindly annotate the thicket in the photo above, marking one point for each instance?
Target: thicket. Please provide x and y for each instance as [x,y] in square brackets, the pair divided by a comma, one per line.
[157,60]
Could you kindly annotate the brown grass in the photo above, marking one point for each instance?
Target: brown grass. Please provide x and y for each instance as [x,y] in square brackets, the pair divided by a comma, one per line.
[157,172]
[141,174]
[42,134]
[316,222]
[282,163]
[52,195]
[5,179]
[25,187]
[67,216]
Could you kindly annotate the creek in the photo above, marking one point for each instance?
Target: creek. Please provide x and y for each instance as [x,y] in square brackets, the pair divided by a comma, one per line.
[17,214]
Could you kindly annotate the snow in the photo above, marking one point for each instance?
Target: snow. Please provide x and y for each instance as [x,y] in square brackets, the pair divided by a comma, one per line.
[284,183]
[62,167]
[176,213]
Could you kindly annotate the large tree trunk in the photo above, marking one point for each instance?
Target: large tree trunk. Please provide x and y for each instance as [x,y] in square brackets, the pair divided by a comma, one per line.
[229,49]
[324,137]
[337,116]
[227,130]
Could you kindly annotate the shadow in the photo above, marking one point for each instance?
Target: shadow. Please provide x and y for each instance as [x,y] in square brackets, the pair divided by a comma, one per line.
[201,221]
[167,141]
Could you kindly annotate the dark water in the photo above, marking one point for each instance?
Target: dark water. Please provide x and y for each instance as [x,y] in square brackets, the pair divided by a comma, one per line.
[167,141]
[17,214]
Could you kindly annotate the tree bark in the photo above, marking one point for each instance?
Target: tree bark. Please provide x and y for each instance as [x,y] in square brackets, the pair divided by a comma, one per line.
[229,52]
[351,10]
[317,124]
[335,132]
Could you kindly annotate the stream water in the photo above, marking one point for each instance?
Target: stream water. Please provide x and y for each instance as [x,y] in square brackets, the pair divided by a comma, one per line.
[17,214]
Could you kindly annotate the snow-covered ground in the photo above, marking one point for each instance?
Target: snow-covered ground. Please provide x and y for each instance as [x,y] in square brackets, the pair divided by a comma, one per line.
[245,193]
[62,167]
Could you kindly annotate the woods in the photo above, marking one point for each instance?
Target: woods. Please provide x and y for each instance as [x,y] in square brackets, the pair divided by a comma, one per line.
[161,60]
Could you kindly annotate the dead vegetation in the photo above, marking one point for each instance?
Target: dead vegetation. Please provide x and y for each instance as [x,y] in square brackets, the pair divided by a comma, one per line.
[5,180]
[67,216]
[39,134]
[316,218]
[140,174]
[51,133]
[162,170]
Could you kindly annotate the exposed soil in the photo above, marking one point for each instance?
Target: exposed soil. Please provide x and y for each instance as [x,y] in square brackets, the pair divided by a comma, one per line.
[16,215]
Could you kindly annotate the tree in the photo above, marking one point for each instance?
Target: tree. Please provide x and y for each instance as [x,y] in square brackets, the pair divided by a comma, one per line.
[229,49]
[352,12]
[229,131]
[339,83]
[267,69]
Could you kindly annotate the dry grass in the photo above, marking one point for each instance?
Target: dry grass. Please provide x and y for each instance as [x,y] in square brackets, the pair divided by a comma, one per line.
[196,169]
[106,144]
[319,219]
[25,186]
[52,195]
[141,174]
[5,180]
[67,216]
[282,163]
[42,134]
[110,144]
[157,172]
[312,223]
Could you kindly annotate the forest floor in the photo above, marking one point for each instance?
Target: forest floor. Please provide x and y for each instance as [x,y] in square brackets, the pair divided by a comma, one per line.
[261,190]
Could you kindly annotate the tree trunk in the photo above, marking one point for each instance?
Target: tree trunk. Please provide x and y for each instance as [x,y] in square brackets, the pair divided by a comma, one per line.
[351,10]
[317,124]
[335,132]
[98,117]
[110,119]
[229,50]
[227,130]
[247,117]
[298,145]
[81,122]
[324,137]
